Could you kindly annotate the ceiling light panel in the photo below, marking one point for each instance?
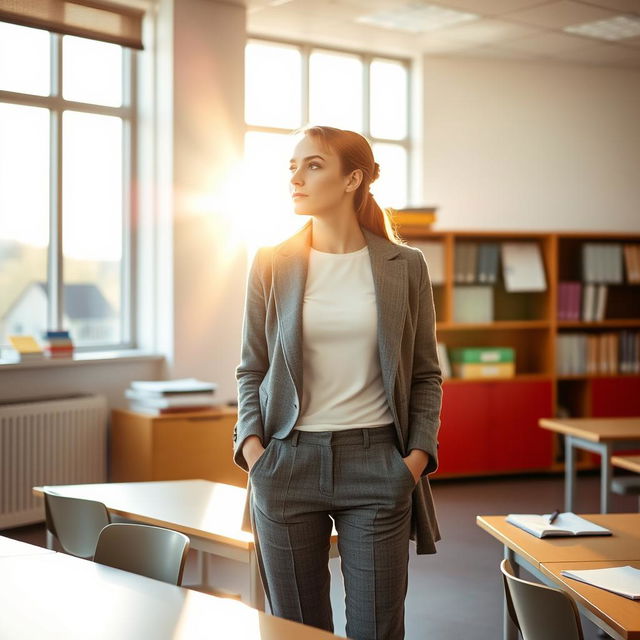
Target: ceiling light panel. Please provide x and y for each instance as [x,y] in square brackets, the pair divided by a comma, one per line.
[417,17]
[617,28]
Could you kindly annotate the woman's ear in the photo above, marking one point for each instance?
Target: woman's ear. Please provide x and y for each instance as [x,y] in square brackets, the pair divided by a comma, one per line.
[354,181]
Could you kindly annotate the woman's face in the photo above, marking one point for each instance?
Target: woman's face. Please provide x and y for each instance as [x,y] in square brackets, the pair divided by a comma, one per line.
[317,185]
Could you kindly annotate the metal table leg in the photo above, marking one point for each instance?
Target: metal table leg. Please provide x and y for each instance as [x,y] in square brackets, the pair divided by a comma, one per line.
[569,473]
[509,630]
[606,474]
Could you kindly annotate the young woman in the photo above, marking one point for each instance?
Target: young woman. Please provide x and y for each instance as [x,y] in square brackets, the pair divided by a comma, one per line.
[339,394]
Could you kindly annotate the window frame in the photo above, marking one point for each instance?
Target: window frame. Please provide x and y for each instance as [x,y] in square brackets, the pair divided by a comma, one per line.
[127,112]
[366,57]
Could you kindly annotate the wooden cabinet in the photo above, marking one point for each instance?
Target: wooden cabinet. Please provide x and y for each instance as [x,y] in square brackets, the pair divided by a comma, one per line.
[491,426]
[174,447]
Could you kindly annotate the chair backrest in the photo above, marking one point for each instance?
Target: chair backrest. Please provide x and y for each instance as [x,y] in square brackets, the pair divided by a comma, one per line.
[541,613]
[75,522]
[154,552]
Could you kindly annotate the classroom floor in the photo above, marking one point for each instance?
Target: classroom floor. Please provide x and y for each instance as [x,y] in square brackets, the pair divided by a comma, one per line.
[457,593]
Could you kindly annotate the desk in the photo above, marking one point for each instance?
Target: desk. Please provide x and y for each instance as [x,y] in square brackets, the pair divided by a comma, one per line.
[599,435]
[10,547]
[632,463]
[60,597]
[210,513]
[534,554]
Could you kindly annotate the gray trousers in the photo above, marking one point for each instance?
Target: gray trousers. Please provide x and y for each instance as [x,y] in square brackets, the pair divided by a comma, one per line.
[302,485]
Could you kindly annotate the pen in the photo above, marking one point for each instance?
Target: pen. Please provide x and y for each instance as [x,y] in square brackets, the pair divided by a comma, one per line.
[553,516]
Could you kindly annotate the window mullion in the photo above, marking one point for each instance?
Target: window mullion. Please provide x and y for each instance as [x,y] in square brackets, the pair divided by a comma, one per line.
[55,276]
[305,52]
[366,96]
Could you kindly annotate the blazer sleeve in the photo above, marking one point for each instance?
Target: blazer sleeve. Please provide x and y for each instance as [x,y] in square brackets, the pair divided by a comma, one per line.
[254,361]
[426,380]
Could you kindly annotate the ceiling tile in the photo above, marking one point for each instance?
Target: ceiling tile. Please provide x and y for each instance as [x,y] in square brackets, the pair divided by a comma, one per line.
[604,54]
[499,53]
[488,31]
[556,15]
[548,43]
[625,6]
[488,7]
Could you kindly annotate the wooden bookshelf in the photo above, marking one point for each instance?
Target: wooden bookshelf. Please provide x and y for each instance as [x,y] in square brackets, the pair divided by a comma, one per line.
[490,426]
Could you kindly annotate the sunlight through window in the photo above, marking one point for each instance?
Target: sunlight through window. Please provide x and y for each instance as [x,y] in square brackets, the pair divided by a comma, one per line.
[31,48]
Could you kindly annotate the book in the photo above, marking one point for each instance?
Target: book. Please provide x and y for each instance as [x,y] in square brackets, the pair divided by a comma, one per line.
[566,524]
[174,400]
[25,344]
[483,355]
[522,267]
[623,581]
[183,385]
[473,303]
[474,370]
[434,255]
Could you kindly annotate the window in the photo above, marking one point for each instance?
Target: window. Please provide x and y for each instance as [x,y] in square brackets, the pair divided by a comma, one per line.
[288,86]
[67,122]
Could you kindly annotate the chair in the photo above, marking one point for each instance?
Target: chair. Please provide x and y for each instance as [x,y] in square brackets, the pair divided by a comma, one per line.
[540,612]
[75,522]
[154,552]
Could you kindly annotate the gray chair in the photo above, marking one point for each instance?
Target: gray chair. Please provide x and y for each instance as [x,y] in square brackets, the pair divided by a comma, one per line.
[540,612]
[154,552]
[75,522]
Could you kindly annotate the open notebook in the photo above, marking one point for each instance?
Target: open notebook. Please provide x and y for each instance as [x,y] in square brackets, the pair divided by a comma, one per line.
[566,524]
[625,581]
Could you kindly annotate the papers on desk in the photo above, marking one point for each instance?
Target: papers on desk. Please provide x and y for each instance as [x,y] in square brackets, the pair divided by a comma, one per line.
[624,581]
[566,524]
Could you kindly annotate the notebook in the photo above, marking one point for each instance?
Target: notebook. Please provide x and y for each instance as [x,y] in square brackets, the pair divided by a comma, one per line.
[625,581]
[566,524]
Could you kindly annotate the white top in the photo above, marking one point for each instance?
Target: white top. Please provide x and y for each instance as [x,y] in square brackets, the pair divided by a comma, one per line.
[342,381]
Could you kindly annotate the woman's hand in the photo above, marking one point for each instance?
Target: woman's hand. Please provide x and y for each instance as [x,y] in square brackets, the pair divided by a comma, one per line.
[252,449]
[416,462]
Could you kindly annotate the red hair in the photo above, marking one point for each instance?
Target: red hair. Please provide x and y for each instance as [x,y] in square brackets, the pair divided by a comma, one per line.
[355,152]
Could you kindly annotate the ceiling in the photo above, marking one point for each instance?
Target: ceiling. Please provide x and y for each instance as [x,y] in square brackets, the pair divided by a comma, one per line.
[521,30]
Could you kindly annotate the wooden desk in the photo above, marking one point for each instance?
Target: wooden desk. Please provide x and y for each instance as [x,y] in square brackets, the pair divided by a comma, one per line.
[621,615]
[524,550]
[600,435]
[60,597]
[210,513]
[10,547]
[632,463]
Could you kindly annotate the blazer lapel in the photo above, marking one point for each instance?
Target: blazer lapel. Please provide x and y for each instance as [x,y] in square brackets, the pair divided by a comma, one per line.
[290,266]
[390,281]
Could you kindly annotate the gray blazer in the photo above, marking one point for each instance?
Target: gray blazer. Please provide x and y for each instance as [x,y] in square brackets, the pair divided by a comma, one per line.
[270,372]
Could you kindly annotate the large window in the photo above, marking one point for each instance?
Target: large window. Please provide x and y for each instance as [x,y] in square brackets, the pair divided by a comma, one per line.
[66,129]
[288,86]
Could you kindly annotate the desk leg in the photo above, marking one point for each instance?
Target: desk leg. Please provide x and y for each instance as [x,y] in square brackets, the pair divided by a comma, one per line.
[256,592]
[203,564]
[509,630]
[605,477]
[49,539]
[569,473]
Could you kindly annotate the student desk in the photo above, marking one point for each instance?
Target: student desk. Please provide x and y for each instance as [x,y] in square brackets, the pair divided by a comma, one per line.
[542,556]
[632,463]
[210,513]
[600,435]
[10,547]
[60,597]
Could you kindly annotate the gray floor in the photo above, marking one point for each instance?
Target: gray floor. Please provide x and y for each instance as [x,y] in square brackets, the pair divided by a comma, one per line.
[455,594]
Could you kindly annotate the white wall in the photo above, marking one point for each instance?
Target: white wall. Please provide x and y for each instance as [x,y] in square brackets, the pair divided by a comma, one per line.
[531,146]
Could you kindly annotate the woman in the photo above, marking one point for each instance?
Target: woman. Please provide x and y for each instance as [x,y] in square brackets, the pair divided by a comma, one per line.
[339,394]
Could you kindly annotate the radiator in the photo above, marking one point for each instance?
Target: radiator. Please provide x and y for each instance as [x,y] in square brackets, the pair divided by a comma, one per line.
[53,441]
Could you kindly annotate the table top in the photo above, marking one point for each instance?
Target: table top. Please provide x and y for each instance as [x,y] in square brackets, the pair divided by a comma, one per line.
[595,429]
[627,462]
[61,597]
[620,613]
[200,508]
[623,544]
[10,547]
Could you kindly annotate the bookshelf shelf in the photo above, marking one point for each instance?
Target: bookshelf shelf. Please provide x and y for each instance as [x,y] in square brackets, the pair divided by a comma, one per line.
[497,419]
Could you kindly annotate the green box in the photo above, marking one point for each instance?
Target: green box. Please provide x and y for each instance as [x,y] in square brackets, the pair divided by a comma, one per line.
[483,355]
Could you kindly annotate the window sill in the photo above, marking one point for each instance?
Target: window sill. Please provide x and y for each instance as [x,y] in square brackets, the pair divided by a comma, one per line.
[86,357]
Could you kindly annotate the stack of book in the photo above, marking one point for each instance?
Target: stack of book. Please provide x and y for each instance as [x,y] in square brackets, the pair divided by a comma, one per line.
[155,397]
[418,218]
[476,262]
[24,349]
[58,344]
[483,362]
[608,353]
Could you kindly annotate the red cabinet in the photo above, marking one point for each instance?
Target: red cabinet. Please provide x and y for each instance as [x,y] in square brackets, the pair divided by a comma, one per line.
[489,427]
[615,397]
